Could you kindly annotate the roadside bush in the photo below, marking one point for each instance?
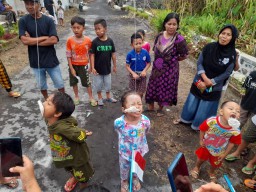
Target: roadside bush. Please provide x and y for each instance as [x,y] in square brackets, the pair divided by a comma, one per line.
[157,21]
[207,25]
[1,30]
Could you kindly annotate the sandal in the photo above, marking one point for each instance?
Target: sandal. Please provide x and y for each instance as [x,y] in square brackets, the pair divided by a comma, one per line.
[10,183]
[160,113]
[248,171]
[93,103]
[177,121]
[136,184]
[245,151]
[124,186]
[111,100]
[76,101]
[14,94]
[250,183]
[194,174]
[69,186]
[213,178]
[149,111]
[231,158]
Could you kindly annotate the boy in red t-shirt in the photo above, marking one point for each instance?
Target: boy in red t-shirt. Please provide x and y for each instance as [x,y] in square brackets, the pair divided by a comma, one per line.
[218,135]
[78,47]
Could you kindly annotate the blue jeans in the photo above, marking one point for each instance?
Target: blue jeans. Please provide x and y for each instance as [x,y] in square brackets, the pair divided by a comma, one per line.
[54,73]
[196,110]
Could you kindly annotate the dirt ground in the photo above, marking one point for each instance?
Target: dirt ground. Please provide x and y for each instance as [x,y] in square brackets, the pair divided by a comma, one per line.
[165,138]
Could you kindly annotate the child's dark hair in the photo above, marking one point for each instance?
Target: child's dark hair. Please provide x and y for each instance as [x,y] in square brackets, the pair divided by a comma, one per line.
[169,17]
[101,21]
[41,8]
[64,104]
[141,31]
[78,20]
[126,94]
[135,36]
[225,103]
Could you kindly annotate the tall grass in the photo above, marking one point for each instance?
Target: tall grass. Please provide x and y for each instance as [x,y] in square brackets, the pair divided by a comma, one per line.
[157,20]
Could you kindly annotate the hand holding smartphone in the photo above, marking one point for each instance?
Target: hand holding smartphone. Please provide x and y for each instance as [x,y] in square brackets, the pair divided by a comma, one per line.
[11,155]
[178,175]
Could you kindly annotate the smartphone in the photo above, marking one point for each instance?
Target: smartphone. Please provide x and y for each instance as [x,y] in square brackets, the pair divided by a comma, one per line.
[178,175]
[11,155]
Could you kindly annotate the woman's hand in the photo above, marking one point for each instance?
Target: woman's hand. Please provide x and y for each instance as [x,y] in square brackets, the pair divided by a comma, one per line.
[208,82]
[201,85]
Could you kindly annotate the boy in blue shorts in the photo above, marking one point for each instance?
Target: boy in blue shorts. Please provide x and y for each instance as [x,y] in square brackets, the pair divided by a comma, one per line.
[40,42]
[137,64]
[103,50]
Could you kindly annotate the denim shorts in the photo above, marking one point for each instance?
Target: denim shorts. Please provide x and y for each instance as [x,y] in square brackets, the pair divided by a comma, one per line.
[54,73]
[102,82]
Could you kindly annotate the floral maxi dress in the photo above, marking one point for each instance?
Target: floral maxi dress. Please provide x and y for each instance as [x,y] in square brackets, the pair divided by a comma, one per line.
[164,78]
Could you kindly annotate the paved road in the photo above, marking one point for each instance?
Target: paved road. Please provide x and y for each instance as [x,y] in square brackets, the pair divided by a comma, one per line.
[21,117]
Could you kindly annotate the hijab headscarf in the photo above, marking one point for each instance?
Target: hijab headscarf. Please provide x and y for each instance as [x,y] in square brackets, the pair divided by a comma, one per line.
[217,57]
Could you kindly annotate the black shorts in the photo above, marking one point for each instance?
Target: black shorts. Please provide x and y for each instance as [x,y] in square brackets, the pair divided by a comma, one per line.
[82,73]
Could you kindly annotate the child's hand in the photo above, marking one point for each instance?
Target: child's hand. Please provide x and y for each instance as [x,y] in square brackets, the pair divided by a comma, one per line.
[88,133]
[221,157]
[201,143]
[94,72]
[114,69]
[73,72]
[143,74]
[135,76]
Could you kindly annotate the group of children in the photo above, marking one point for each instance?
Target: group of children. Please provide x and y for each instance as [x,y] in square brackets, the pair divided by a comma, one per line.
[67,140]
[98,54]
[218,135]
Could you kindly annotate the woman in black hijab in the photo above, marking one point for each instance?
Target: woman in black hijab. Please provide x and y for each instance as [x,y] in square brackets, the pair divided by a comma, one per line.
[214,66]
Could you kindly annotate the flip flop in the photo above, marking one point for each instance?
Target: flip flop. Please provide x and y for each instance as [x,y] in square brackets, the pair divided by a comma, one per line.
[149,111]
[248,171]
[76,101]
[250,183]
[231,158]
[160,113]
[11,183]
[245,151]
[177,121]
[136,184]
[14,94]
[93,103]
[124,187]
[68,186]
[213,178]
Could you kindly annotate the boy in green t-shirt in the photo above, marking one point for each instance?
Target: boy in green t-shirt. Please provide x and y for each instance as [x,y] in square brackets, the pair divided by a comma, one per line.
[67,140]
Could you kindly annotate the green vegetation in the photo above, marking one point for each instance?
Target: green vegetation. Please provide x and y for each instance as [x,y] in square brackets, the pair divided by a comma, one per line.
[138,13]
[206,17]
[1,30]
